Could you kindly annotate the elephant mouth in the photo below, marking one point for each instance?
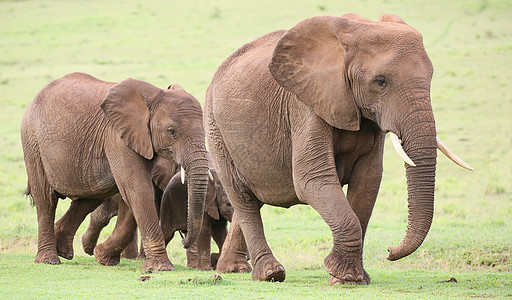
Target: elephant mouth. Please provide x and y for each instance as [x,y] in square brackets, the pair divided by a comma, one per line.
[397,145]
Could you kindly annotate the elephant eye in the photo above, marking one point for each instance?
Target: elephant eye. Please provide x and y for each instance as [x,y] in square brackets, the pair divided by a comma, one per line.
[381,82]
[172,132]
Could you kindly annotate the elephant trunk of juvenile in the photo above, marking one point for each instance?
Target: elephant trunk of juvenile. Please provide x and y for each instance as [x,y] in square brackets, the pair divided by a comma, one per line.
[419,142]
[196,168]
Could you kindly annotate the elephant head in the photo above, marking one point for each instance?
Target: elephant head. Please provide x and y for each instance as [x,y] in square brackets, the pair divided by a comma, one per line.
[167,123]
[217,204]
[348,68]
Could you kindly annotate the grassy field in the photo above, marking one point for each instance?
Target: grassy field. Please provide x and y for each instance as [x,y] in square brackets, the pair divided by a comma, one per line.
[163,42]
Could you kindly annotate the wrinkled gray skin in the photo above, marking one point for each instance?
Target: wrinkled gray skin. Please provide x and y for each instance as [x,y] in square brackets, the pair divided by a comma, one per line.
[88,139]
[172,207]
[161,173]
[295,115]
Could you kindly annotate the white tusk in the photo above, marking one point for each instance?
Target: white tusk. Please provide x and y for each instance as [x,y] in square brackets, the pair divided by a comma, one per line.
[182,175]
[210,175]
[399,150]
[452,155]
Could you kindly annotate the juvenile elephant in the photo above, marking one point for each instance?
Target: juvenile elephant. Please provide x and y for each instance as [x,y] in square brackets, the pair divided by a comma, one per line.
[88,139]
[296,114]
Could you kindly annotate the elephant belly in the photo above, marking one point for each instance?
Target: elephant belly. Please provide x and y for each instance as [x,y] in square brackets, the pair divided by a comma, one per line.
[75,180]
[260,151]
[73,171]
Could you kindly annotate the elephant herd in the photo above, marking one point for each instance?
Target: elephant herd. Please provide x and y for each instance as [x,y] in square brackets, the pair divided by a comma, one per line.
[289,118]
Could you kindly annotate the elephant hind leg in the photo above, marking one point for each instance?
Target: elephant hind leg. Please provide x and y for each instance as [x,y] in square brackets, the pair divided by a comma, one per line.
[46,203]
[246,223]
[233,257]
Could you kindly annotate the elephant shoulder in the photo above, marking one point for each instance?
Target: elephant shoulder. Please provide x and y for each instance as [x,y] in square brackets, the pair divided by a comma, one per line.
[78,76]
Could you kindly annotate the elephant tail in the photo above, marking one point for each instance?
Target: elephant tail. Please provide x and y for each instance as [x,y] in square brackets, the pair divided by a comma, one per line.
[28,193]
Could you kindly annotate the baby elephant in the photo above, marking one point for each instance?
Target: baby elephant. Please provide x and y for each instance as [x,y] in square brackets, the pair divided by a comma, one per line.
[218,210]
[173,217]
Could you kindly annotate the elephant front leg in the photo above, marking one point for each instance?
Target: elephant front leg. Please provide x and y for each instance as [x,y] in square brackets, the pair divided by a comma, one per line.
[316,183]
[345,262]
[133,180]
[363,187]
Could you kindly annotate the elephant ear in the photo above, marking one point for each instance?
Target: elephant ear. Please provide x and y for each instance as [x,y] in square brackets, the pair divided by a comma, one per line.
[390,18]
[125,106]
[162,172]
[310,61]
[210,204]
[175,86]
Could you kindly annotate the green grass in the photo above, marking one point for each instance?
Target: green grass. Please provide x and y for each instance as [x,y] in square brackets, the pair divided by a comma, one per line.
[86,279]
[163,42]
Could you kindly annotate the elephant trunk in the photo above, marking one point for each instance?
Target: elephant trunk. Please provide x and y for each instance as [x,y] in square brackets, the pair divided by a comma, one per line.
[196,168]
[419,142]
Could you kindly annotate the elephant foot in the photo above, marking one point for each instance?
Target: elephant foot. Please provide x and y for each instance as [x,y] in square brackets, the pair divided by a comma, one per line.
[348,270]
[267,268]
[335,281]
[231,262]
[152,265]
[47,258]
[105,257]
[64,245]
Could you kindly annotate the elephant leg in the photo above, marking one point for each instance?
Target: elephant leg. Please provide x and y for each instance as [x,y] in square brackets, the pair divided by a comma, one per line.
[45,201]
[345,262]
[233,258]
[108,253]
[247,224]
[219,234]
[100,218]
[132,250]
[265,265]
[363,188]
[198,256]
[133,180]
[67,225]
[316,183]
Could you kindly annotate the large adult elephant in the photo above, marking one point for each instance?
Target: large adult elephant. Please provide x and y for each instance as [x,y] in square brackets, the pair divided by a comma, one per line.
[88,139]
[296,114]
